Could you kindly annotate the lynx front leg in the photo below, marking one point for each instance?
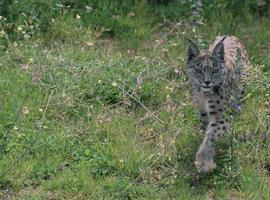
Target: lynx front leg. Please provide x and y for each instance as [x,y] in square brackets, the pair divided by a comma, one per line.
[215,130]
[204,157]
[203,120]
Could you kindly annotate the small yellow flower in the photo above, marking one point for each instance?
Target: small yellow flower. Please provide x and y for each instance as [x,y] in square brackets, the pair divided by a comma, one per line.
[2,32]
[20,28]
[165,50]
[31,60]
[26,36]
[25,110]
[15,44]
[114,84]
[78,17]
[90,44]
[89,8]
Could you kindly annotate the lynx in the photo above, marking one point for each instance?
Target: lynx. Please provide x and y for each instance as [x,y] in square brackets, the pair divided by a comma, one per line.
[215,77]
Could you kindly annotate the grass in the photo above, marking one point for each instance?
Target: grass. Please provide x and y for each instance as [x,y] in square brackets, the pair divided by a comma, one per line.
[96,118]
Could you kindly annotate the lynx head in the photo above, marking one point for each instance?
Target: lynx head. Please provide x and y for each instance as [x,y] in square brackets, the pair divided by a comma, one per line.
[206,69]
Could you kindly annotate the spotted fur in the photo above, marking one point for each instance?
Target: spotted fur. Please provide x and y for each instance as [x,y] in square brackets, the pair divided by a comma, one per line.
[215,78]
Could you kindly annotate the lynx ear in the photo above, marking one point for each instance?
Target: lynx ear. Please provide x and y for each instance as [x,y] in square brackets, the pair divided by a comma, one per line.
[218,51]
[193,50]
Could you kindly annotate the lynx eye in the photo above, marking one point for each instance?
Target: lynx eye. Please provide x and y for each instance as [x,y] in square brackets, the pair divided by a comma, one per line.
[215,70]
[197,70]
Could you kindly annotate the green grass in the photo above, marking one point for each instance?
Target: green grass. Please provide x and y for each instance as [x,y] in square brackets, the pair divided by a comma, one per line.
[100,118]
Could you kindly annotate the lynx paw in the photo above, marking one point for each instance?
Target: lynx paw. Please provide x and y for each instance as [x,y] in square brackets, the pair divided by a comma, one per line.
[204,160]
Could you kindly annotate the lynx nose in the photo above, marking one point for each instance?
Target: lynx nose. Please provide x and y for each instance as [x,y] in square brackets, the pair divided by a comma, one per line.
[207,82]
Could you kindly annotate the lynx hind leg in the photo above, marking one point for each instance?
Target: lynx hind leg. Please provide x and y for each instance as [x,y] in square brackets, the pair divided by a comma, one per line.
[237,94]
[237,88]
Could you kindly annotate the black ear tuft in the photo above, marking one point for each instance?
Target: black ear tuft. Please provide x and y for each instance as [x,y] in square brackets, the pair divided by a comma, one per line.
[218,51]
[193,50]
